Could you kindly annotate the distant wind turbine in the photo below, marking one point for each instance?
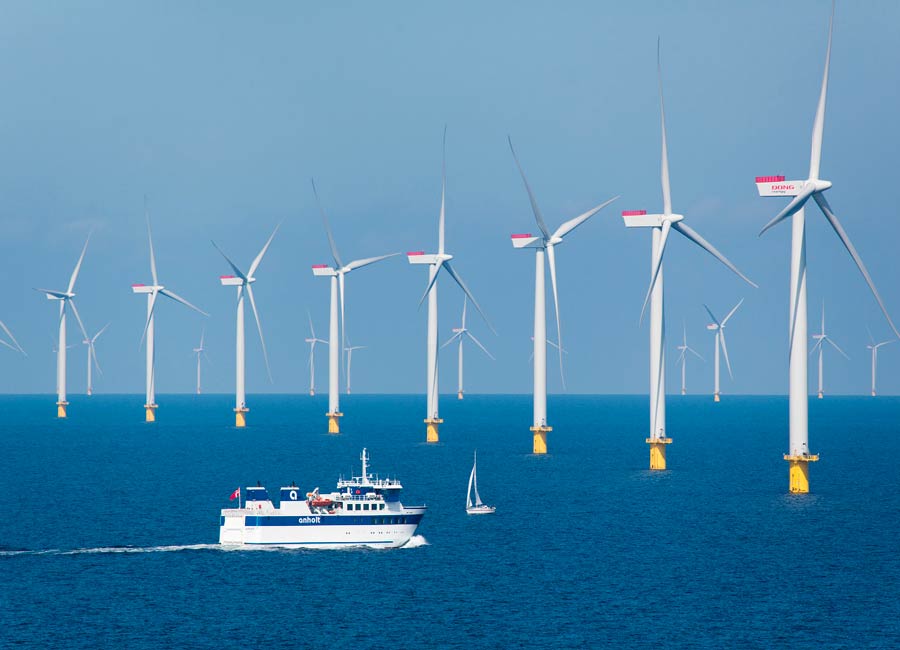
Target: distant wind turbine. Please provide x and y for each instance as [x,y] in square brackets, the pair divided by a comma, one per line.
[458,334]
[436,262]
[543,244]
[349,351]
[873,346]
[661,225]
[820,339]
[801,191]
[152,292]
[336,273]
[200,350]
[244,284]
[682,358]
[66,300]
[719,328]
[92,358]
[312,340]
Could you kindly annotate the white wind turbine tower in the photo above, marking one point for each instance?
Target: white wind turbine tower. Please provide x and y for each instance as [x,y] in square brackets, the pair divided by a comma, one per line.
[874,348]
[820,339]
[312,340]
[719,328]
[92,358]
[458,334]
[682,358]
[152,292]
[349,350]
[200,350]
[436,262]
[661,225]
[66,300]
[244,284]
[544,243]
[799,455]
[336,273]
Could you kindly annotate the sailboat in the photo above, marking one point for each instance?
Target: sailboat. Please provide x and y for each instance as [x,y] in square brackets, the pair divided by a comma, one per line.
[476,507]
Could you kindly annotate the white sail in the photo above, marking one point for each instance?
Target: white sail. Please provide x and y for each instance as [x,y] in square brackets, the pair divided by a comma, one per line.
[469,490]
[478,501]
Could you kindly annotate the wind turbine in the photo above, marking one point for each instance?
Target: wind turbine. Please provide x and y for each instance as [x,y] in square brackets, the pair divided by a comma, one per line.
[152,292]
[436,262]
[544,244]
[719,328]
[820,339]
[66,300]
[682,358]
[92,358]
[813,187]
[661,225]
[349,350]
[874,348]
[336,273]
[458,334]
[244,284]
[200,351]
[14,345]
[312,340]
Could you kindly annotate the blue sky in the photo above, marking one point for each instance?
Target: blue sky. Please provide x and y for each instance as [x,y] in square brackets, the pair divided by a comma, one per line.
[221,113]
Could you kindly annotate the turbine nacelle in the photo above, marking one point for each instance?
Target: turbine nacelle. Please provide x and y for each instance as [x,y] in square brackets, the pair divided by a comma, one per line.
[640,219]
[420,257]
[778,186]
[323,270]
[146,288]
[231,280]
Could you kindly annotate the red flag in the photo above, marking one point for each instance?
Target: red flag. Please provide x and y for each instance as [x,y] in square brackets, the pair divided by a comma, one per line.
[235,494]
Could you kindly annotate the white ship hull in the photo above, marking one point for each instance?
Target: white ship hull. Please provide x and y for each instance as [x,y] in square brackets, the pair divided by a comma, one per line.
[244,527]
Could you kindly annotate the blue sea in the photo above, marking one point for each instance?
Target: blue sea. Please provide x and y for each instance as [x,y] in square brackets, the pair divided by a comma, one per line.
[109,525]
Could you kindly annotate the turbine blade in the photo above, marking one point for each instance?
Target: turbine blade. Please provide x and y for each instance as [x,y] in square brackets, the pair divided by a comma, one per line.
[358,264]
[708,311]
[465,302]
[572,224]
[534,206]
[97,335]
[478,343]
[462,285]
[262,252]
[695,237]
[18,347]
[150,313]
[334,251]
[150,239]
[312,330]
[78,265]
[233,266]
[657,265]
[731,313]
[262,340]
[816,346]
[443,192]
[52,293]
[202,335]
[451,339]
[430,284]
[94,357]
[815,156]
[77,317]
[725,352]
[835,346]
[551,258]
[173,296]
[664,167]
[795,205]
[696,354]
[833,220]
[2,342]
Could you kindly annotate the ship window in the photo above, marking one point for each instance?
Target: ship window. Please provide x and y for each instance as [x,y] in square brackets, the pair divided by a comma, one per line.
[365,506]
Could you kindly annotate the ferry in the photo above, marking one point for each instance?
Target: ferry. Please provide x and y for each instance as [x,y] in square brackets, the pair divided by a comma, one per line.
[364,511]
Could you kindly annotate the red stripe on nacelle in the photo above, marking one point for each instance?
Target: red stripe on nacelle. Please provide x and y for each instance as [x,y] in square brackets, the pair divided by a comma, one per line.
[633,213]
[522,236]
[139,285]
[225,277]
[411,253]
[320,266]
[769,179]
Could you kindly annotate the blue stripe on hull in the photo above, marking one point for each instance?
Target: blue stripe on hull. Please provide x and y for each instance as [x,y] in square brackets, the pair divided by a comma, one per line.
[320,520]
[359,543]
